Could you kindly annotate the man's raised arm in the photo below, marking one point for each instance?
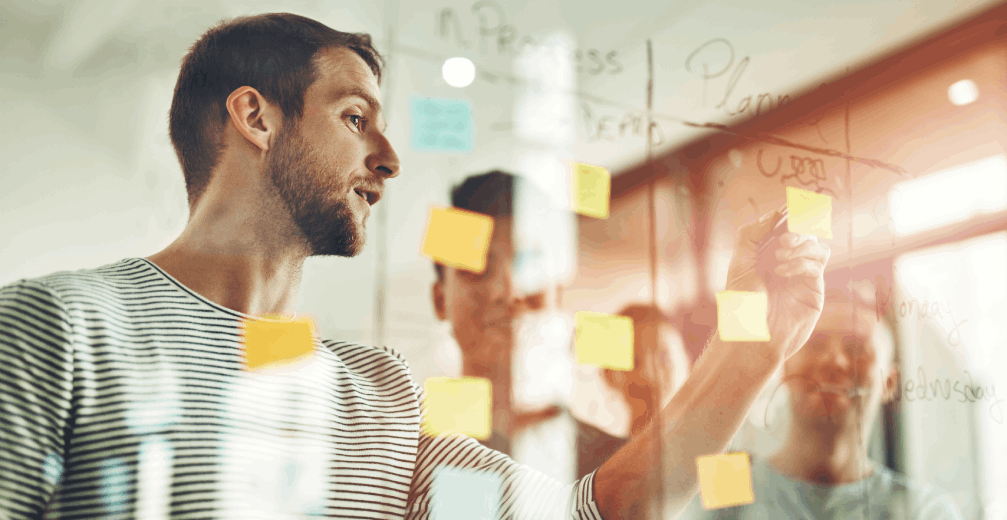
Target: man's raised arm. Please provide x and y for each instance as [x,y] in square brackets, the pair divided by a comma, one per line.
[707,411]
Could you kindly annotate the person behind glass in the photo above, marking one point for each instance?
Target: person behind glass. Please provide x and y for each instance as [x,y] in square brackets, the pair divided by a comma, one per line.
[660,366]
[486,312]
[837,384]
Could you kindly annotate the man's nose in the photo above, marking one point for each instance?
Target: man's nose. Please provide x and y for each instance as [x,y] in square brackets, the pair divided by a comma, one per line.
[384,161]
[835,357]
[504,291]
[501,284]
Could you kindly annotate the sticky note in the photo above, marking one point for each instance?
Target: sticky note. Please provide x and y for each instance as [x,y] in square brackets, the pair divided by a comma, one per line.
[592,189]
[52,468]
[114,481]
[277,342]
[810,213]
[458,238]
[458,405]
[725,480]
[465,494]
[604,340]
[442,124]
[743,316]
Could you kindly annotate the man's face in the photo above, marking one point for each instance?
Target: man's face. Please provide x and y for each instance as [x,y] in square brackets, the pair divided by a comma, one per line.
[329,167]
[483,308]
[840,358]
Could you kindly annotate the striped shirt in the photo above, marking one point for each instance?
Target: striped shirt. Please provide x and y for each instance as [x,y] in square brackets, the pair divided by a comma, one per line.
[123,394]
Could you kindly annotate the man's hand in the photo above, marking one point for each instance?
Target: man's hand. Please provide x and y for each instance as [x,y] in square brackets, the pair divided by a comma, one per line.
[796,295]
[706,412]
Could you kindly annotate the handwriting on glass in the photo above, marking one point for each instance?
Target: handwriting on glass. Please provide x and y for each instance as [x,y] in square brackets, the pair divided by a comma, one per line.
[497,37]
[712,60]
[629,123]
[923,389]
[885,303]
[807,171]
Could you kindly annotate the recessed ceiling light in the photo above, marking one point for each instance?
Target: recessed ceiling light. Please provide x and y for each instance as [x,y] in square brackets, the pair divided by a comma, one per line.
[963,92]
[459,72]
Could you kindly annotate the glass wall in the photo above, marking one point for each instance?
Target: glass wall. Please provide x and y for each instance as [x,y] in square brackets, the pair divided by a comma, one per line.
[612,152]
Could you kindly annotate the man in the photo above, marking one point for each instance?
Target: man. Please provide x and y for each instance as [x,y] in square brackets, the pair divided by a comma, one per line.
[501,326]
[280,135]
[837,384]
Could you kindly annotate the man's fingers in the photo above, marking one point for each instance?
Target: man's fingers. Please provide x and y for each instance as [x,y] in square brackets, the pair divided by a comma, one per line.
[750,234]
[801,267]
[807,248]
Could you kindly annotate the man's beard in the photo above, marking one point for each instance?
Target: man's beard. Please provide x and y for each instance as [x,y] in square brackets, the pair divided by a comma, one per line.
[303,185]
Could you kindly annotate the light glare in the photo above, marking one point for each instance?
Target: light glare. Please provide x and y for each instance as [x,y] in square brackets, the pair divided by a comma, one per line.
[459,72]
[963,92]
[950,196]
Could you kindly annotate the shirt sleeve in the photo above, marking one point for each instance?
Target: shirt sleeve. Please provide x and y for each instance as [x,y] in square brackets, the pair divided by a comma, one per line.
[524,492]
[36,384]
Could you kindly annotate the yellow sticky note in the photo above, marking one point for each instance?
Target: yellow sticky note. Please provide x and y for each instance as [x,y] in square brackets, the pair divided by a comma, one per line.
[458,238]
[277,342]
[725,480]
[743,316]
[604,340]
[809,213]
[592,189]
[458,405]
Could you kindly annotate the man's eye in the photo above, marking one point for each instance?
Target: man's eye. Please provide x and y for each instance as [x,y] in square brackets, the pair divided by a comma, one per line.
[357,121]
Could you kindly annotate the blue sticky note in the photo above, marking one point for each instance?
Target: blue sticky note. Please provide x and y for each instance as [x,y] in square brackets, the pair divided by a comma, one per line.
[115,481]
[465,494]
[52,468]
[443,125]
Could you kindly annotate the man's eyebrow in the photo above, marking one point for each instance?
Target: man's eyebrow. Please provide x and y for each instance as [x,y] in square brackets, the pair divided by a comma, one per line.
[362,94]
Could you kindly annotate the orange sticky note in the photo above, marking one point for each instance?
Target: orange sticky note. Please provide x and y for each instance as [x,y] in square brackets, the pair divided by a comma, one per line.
[743,316]
[725,480]
[458,238]
[809,213]
[592,189]
[277,342]
[604,340]
[458,405]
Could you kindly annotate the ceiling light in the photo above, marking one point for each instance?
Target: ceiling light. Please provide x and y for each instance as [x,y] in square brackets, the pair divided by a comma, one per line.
[459,72]
[963,92]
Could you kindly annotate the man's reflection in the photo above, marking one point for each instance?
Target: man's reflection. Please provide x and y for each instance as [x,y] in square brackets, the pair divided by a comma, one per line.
[837,384]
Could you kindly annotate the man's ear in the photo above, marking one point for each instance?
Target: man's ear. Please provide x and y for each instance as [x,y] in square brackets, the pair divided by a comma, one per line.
[253,117]
[440,304]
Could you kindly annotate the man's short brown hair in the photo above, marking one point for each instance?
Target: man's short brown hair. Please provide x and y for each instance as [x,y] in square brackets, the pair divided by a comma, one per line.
[272,53]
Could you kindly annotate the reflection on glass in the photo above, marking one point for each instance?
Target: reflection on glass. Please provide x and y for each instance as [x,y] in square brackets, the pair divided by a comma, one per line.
[950,196]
